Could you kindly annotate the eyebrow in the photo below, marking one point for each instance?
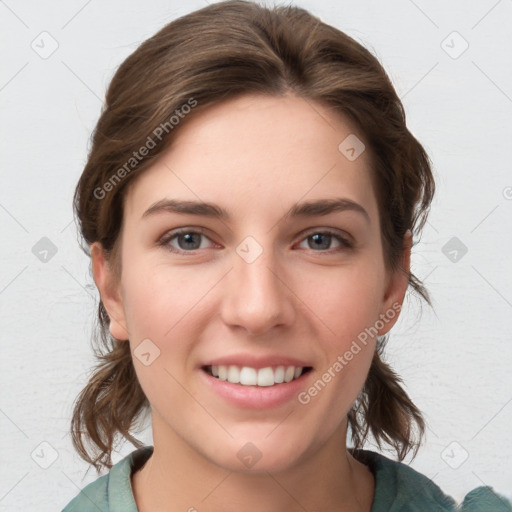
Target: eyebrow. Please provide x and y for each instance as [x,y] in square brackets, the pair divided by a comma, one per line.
[316,208]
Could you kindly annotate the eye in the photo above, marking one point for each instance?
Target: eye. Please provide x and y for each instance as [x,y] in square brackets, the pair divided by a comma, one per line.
[187,240]
[322,241]
[184,240]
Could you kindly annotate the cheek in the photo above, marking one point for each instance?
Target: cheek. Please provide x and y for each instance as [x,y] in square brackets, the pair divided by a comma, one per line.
[158,297]
[346,300]
[166,305]
[159,303]
[347,303]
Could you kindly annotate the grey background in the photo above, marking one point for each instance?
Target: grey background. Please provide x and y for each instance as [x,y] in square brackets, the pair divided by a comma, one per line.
[455,359]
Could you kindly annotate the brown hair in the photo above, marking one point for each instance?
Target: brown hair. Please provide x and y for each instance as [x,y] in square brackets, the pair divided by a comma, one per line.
[226,49]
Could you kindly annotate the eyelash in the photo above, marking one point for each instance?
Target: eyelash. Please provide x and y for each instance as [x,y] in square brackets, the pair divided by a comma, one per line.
[345,244]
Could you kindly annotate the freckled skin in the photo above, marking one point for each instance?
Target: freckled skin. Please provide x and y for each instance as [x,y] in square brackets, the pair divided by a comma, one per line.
[254,156]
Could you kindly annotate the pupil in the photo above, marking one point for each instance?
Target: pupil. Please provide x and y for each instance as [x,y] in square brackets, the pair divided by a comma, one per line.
[189,240]
[318,237]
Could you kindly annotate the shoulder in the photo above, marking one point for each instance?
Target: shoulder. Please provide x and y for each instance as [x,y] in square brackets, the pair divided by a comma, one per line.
[398,487]
[111,492]
[483,499]
[92,497]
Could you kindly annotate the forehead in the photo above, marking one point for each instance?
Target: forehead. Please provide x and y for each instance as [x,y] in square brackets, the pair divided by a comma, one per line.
[259,152]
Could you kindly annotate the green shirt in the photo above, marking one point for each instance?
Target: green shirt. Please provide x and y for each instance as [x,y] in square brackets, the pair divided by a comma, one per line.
[397,488]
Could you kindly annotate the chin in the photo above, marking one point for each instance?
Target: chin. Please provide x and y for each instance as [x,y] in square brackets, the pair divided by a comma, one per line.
[259,455]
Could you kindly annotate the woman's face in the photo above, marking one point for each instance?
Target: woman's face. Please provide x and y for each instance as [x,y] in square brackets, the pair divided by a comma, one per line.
[283,279]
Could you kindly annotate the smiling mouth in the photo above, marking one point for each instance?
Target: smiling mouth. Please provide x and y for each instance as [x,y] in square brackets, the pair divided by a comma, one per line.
[264,377]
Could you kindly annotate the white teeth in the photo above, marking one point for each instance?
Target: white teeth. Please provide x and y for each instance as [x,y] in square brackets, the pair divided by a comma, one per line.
[248,376]
[223,372]
[233,374]
[279,375]
[265,377]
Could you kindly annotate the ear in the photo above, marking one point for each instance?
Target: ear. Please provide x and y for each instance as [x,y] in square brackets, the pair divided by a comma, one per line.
[109,289]
[397,284]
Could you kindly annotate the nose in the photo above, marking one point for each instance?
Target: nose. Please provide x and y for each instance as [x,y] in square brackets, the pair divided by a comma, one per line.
[257,296]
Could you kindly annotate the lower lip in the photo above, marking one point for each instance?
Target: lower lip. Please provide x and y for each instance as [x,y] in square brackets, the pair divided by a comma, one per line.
[257,397]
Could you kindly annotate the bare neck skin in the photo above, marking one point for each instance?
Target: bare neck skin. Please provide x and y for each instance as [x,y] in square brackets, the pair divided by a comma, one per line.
[176,478]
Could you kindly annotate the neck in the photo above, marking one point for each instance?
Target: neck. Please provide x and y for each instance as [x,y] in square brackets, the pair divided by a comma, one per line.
[177,477]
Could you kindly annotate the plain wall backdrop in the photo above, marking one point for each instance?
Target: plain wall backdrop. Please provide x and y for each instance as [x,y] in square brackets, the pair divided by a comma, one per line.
[450,64]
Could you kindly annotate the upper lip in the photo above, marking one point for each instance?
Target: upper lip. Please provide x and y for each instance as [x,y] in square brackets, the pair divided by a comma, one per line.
[256,362]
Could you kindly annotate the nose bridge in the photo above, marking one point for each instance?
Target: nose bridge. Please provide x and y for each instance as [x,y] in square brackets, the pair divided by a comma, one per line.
[256,299]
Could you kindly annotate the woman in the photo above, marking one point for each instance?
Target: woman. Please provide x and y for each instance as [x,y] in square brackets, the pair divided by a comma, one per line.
[249,205]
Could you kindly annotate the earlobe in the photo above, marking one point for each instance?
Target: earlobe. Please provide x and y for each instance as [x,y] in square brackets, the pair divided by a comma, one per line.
[397,287]
[108,287]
